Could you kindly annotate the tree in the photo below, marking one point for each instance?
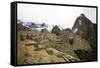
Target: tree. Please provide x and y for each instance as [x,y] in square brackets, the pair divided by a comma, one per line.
[56,30]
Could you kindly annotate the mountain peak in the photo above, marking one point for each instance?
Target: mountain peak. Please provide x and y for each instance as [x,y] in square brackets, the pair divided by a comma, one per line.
[82,15]
[81,21]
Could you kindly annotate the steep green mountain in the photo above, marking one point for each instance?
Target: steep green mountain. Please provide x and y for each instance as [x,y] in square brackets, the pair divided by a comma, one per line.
[87,31]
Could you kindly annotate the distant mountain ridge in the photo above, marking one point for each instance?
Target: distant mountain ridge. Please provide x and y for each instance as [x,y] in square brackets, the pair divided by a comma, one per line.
[21,27]
[32,25]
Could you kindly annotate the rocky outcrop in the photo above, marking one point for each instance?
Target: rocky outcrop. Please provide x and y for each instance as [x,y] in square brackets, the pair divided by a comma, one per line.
[67,30]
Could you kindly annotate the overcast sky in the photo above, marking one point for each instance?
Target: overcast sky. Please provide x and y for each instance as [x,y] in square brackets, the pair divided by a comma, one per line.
[64,16]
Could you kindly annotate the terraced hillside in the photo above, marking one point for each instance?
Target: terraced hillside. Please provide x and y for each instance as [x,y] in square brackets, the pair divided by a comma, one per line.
[67,45]
[34,46]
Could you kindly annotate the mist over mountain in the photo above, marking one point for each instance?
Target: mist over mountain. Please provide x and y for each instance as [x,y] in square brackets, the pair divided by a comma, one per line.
[33,25]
